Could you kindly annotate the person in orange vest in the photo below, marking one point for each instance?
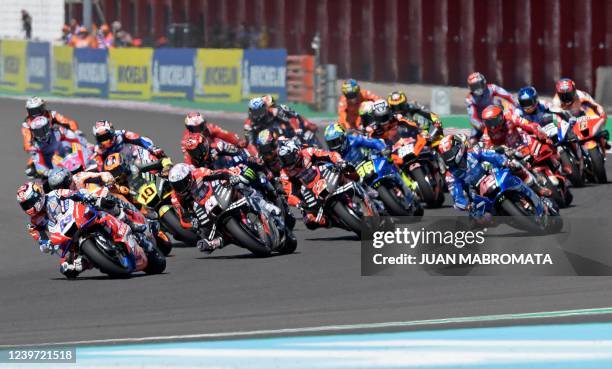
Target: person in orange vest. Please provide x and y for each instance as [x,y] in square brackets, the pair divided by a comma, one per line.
[348,105]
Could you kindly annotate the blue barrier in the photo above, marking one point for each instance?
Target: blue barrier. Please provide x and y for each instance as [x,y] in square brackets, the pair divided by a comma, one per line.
[90,72]
[174,73]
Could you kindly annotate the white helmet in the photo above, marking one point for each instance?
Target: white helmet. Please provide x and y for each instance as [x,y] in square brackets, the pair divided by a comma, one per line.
[35,106]
[288,152]
[180,178]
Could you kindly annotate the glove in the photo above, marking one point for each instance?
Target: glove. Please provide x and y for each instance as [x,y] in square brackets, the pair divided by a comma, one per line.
[107,202]
[46,247]
[242,143]
[158,152]
[234,180]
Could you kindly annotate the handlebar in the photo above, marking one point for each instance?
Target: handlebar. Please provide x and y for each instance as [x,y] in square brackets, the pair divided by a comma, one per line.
[148,167]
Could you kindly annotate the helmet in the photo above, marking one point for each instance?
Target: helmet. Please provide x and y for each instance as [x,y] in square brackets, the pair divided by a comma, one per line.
[116,165]
[365,112]
[195,122]
[105,133]
[41,129]
[397,101]
[288,152]
[197,146]
[477,83]
[528,99]
[566,90]
[382,113]
[31,198]
[60,178]
[335,136]
[269,100]
[350,89]
[257,109]
[266,142]
[452,150]
[180,178]
[493,118]
[36,106]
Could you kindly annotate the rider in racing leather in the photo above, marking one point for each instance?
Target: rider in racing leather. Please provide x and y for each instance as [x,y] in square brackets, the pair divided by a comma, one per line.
[267,146]
[111,141]
[200,152]
[570,99]
[390,127]
[264,113]
[480,96]
[350,147]
[349,103]
[295,161]
[196,123]
[36,107]
[50,141]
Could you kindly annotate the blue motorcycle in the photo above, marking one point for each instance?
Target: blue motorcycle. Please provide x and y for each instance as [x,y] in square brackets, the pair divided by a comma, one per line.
[501,193]
[383,177]
[561,133]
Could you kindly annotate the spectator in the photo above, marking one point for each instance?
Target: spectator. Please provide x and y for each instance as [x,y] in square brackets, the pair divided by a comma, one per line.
[122,38]
[26,21]
[264,38]
[105,37]
[253,37]
[66,34]
[82,39]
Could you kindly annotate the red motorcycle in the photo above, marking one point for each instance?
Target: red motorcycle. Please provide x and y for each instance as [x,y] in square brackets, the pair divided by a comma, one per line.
[78,231]
[542,159]
[592,139]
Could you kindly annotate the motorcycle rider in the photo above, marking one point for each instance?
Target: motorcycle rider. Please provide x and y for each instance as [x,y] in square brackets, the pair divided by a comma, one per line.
[295,161]
[366,116]
[200,152]
[569,98]
[390,127]
[264,113]
[36,107]
[51,140]
[480,96]
[196,123]
[267,146]
[350,146]
[503,129]
[111,141]
[349,103]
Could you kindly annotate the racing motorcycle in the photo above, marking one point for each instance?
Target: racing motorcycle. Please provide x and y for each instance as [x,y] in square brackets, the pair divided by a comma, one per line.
[539,155]
[381,175]
[501,193]
[77,233]
[234,212]
[419,162]
[560,133]
[592,139]
[326,191]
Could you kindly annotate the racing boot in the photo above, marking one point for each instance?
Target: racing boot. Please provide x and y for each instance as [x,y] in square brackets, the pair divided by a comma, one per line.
[311,222]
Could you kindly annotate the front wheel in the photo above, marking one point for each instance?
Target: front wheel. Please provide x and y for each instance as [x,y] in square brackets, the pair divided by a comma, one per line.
[171,222]
[393,203]
[348,218]
[156,261]
[521,218]
[109,265]
[575,176]
[426,189]
[598,165]
[244,238]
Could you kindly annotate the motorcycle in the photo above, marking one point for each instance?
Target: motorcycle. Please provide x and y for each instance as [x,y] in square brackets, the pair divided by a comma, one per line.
[233,211]
[76,232]
[560,132]
[326,191]
[539,157]
[501,193]
[592,140]
[383,177]
[418,161]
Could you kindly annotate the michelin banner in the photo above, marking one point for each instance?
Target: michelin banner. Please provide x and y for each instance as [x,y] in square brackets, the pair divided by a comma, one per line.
[62,71]
[264,72]
[130,73]
[91,72]
[38,67]
[174,73]
[13,66]
[218,75]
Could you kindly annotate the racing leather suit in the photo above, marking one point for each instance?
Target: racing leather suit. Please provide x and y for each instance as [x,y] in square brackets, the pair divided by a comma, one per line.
[123,137]
[493,95]
[60,143]
[395,129]
[582,101]
[55,119]
[286,119]
[348,112]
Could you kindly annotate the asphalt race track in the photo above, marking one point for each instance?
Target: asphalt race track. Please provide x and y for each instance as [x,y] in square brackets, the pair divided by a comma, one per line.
[231,291]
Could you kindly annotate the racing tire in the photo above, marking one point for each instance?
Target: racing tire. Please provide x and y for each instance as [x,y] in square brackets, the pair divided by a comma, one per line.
[392,204]
[171,222]
[104,263]
[290,244]
[556,195]
[165,246]
[244,238]
[520,219]
[347,218]
[575,177]
[156,261]
[428,195]
[598,165]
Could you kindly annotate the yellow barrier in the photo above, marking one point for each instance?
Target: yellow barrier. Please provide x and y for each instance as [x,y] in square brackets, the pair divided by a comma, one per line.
[218,75]
[13,76]
[130,73]
[62,71]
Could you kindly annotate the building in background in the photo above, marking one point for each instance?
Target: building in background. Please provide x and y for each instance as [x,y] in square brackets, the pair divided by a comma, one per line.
[47,19]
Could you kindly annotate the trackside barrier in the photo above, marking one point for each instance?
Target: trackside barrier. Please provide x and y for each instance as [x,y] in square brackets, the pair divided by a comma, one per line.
[300,79]
[202,75]
[603,93]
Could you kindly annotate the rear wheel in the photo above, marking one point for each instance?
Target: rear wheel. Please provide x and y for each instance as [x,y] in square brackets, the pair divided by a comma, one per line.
[598,165]
[171,222]
[575,176]
[104,262]
[245,238]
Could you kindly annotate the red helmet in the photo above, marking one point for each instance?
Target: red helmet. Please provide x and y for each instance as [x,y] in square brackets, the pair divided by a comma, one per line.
[31,198]
[493,118]
[105,133]
[195,122]
[477,83]
[566,90]
[197,146]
